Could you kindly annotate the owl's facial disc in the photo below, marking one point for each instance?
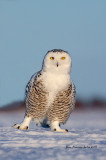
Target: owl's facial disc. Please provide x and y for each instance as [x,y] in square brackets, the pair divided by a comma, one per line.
[57,62]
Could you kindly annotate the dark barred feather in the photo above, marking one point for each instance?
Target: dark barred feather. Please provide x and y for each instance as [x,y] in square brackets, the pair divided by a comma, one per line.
[37,100]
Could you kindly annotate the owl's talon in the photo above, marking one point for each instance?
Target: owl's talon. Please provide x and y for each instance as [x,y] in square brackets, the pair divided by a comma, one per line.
[66,130]
[55,127]
[26,127]
[18,127]
[22,128]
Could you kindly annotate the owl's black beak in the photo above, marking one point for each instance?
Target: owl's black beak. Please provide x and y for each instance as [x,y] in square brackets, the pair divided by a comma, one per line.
[57,64]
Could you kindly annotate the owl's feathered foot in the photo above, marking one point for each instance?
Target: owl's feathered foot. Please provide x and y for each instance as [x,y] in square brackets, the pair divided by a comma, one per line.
[19,126]
[55,127]
[24,125]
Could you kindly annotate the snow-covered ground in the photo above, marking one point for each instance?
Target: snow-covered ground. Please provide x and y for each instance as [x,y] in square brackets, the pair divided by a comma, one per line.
[86,139]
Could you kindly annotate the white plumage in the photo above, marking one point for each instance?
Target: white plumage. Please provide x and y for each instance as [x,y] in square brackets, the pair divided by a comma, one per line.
[50,93]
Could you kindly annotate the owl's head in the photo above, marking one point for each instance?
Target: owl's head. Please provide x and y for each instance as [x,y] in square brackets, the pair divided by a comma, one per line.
[58,61]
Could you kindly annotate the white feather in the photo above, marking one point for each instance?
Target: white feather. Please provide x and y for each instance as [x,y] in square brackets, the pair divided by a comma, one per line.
[55,78]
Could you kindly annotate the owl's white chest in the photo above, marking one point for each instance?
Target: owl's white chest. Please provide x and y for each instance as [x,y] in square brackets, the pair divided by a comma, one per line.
[55,83]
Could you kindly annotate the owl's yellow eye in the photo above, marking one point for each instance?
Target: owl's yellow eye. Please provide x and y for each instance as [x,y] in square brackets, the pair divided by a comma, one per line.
[52,58]
[63,58]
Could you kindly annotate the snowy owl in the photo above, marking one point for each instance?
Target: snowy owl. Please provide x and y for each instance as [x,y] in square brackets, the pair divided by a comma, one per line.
[50,93]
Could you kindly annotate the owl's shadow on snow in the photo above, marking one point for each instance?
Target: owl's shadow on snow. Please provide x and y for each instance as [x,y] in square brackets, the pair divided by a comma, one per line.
[44,124]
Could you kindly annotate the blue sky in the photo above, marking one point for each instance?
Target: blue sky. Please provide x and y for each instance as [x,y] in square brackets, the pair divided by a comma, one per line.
[29,28]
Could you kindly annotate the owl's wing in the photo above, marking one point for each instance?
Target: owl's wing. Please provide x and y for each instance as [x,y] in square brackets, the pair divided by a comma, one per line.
[73,90]
[30,83]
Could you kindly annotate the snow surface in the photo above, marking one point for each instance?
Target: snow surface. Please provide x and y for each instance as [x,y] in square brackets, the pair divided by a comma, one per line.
[86,138]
